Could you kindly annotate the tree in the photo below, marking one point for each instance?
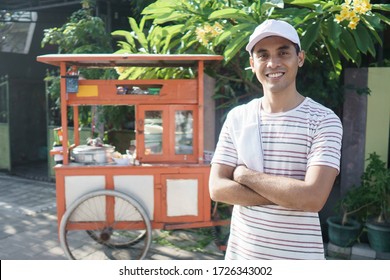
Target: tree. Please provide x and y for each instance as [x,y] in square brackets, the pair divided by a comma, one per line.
[333,33]
[86,33]
[83,33]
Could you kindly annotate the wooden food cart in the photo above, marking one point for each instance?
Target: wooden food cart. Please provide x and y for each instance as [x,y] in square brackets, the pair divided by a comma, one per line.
[108,211]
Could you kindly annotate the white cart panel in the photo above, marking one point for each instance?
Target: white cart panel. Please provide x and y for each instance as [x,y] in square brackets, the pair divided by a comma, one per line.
[139,187]
[182,197]
[77,186]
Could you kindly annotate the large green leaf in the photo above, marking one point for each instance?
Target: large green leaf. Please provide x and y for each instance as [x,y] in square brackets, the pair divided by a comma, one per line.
[170,32]
[126,47]
[272,4]
[236,45]
[156,39]
[371,22]
[334,55]
[231,32]
[157,11]
[333,31]
[310,35]
[329,5]
[382,18]
[363,39]
[348,46]
[230,13]
[140,35]
[308,17]
[382,7]
[304,3]
[159,6]
[129,38]
[169,17]
[225,35]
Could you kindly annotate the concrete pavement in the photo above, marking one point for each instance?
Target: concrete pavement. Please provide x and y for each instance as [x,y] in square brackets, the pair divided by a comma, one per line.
[28,227]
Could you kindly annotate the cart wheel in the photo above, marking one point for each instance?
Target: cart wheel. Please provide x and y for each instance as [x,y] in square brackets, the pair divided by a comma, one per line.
[87,217]
[117,242]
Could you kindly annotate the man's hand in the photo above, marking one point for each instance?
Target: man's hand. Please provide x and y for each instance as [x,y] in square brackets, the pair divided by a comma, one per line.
[224,188]
[239,172]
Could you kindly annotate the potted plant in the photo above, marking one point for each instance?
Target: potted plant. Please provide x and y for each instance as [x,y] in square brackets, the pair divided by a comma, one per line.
[345,228]
[376,187]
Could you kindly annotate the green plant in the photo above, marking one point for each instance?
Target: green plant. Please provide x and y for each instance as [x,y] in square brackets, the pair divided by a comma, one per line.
[353,203]
[372,197]
[83,33]
[376,185]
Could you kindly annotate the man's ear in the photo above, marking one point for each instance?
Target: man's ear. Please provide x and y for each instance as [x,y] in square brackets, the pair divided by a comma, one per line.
[301,58]
[251,64]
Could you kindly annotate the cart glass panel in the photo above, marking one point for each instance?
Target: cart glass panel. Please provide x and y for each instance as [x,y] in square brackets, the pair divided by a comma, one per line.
[183,132]
[153,132]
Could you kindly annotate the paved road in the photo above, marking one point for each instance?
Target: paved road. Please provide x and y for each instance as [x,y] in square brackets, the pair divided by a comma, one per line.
[28,226]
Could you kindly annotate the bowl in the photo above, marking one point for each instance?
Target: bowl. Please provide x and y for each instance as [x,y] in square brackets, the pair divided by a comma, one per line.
[124,160]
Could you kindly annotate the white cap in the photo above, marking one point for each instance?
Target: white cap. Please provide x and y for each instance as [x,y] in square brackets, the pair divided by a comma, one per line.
[272,27]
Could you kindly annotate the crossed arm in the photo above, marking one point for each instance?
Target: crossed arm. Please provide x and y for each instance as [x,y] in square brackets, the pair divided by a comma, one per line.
[242,186]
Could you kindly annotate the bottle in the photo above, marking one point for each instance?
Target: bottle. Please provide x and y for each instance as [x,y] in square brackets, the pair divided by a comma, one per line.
[57,145]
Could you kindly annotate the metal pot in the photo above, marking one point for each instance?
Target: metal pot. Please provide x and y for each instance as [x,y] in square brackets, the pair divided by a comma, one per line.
[92,154]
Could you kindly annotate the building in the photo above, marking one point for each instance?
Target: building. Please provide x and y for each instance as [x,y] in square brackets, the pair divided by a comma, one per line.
[23,127]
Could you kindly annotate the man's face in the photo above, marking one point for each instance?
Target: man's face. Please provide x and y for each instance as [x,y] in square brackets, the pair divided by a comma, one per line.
[275,62]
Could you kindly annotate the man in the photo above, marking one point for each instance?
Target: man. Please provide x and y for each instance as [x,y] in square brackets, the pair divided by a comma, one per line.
[277,157]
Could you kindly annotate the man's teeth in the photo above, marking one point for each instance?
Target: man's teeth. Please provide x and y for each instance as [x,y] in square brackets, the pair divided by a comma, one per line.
[275,75]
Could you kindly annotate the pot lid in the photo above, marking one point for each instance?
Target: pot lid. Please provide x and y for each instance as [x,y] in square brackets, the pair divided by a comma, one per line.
[89,148]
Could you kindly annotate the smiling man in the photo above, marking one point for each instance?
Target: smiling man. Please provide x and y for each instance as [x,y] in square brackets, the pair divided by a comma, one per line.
[277,156]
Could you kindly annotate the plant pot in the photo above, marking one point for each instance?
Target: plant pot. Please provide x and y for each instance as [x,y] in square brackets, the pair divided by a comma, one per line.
[379,236]
[343,235]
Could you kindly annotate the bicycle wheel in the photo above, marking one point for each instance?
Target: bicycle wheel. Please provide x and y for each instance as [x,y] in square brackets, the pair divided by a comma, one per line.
[115,219]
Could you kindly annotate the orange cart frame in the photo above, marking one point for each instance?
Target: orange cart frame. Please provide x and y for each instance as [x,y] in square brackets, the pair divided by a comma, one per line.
[167,175]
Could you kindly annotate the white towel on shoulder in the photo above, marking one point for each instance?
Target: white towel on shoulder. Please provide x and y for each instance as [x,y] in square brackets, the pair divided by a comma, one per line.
[244,125]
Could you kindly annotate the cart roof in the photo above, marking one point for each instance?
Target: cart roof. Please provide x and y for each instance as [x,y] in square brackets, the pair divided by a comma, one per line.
[141,60]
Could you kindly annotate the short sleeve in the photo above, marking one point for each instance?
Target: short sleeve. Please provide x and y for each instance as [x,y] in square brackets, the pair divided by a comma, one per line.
[326,145]
[225,151]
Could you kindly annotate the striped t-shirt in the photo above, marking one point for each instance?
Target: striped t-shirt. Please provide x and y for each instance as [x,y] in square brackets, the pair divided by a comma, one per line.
[308,135]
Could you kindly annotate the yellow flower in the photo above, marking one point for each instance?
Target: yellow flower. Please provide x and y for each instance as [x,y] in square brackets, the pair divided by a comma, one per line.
[201,35]
[351,15]
[351,11]
[339,18]
[206,33]
[352,25]
[366,6]
[218,27]
[354,22]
